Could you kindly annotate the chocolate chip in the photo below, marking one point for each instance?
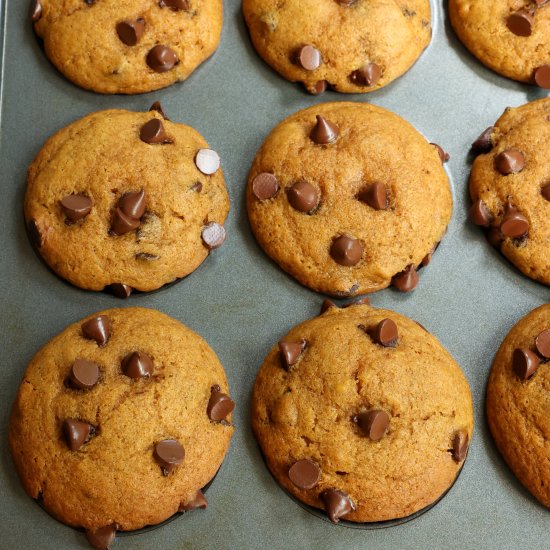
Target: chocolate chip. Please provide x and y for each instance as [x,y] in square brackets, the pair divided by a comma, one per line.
[479,214]
[346,251]
[198,501]
[36,10]
[153,132]
[460,446]
[525,363]
[35,234]
[346,3]
[213,235]
[426,260]
[514,224]
[483,143]
[318,88]
[364,301]
[385,333]
[175,5]
[98,329]
[219,405]
[303,197]
[207,161]
[84,374]
[146,256]
[122,224]
[197,187]
[130,32]
[324,132]
[265,186]
[327,304]
[121,290]
[76,207]
[169,453]
[545,191]
[510,161]
[162,59]
[542,76]
[521,22]
[374,423]
[102,538]
[305,473]
[137,365]
[77,433]
[542,343]
[368,75]
[133,204]
[158,108]
[337,504]
[443,155]
[290,352]
[309,57]
[495,237]
[375,195]
[407,280]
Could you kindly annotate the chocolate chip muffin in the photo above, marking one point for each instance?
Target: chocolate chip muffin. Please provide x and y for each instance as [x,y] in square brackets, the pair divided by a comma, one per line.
[119,422]
[362,413]
[353,46]
[518,409]
[126,200]
[129,46]
[349,198]
[511,37]
[510,187]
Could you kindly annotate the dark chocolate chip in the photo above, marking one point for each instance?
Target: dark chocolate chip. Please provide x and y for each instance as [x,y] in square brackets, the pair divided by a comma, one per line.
[305,473]
[443,155]
[36,10]
[175,5]
[374,423]
[219,405]
[318,88]
[514,224]
[213,235]
[84,374]
[545,191]
[368,75]
[122,224]
[407,280]
[98,329]
[169,453]
[102,538]
[207,161]
[77,433]
[375,195]
[542,76]
[146,256]
[290,352]
[198,501]
[137,365]
[35,234]
[197,187]
[483,143]
[158,108]
[495,237]
[303,197]
[309,57]
[337,504]
[265,186]
[327,304]
[385,333]
[521,22]
[162,59]
[542,344]
[153,132]
[133,204]
[460,446]
[511,161]
[479,214]
[525,363]
[76,207]
[121,290]
[346,251]
[130,32]
[324,132]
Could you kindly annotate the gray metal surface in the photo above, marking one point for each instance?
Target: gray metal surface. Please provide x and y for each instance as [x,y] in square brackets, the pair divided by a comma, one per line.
[469,296]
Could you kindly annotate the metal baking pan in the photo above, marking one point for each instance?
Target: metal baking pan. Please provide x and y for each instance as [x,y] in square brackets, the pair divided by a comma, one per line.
[242,303]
